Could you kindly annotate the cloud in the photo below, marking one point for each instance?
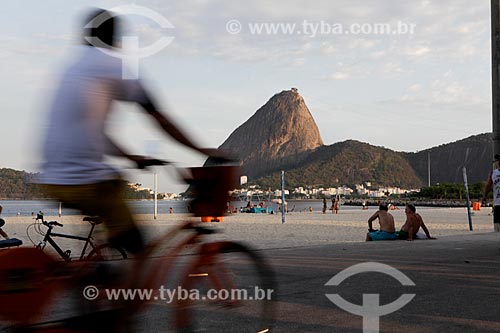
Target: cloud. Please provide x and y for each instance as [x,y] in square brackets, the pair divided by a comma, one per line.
[418,51]
[444,91]
[328,48]
[414,87]
[340,76]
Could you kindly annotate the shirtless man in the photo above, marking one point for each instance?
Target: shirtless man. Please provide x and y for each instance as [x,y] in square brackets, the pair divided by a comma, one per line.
[386,221]
[412,225]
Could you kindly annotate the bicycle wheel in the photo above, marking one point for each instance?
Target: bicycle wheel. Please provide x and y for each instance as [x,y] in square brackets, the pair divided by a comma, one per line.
[107,252]
[228,288]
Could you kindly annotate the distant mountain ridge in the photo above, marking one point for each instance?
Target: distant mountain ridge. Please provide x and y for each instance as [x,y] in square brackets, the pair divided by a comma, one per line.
[282,135]
[348,163]
[447,160]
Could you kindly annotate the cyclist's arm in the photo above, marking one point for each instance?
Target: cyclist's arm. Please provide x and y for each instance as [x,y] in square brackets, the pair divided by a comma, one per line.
[116,150]
[168,125]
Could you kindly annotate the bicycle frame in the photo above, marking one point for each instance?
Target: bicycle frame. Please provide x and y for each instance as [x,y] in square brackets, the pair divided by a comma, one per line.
[49,235]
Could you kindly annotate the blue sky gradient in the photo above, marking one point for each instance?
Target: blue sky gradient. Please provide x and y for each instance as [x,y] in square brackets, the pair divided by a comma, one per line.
[407,92]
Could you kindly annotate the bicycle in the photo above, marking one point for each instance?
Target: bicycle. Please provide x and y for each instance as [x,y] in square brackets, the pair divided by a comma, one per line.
[204,266]
[97,252]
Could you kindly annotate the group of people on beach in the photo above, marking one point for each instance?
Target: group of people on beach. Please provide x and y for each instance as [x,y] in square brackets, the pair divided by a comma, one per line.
[409,231]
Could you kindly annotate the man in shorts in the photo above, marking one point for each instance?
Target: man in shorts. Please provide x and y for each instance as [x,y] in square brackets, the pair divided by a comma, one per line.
[387,230]
[412,225]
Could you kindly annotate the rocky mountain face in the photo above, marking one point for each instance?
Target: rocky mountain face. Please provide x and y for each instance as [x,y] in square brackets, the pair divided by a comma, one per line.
[282,135]
[278,135]
[447,161]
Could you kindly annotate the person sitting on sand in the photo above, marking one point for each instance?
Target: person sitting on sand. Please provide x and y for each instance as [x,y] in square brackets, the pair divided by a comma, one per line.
[386,220]
[412,225]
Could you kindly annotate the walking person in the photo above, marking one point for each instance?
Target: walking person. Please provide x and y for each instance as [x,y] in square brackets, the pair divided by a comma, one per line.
[493,184]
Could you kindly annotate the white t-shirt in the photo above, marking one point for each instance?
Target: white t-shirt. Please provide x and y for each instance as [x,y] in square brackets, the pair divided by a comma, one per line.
[495,178]
[75,143]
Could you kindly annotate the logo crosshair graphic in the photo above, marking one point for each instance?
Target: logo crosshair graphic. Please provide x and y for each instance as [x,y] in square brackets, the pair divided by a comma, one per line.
[370,310]
[130,44]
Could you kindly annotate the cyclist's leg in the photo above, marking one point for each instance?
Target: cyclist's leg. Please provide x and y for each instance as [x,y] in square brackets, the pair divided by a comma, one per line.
[228,287]
[104,199]
[118,218]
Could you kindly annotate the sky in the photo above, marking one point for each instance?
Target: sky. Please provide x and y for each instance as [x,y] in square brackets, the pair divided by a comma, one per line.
[423,81]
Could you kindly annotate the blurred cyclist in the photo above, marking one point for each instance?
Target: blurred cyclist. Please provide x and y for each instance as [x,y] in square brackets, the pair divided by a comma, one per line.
[76,143]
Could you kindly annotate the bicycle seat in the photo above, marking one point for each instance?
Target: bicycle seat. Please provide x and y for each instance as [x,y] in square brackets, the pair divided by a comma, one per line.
[93,219]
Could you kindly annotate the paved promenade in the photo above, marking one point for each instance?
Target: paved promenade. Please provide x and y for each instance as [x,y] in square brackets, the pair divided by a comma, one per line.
[457,285]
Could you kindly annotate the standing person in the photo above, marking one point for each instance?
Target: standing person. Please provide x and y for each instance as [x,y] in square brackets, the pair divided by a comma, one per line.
[2,223]
[493,183]
[324,205]
[76,142]
[387,230]
[413,224]
[336,206]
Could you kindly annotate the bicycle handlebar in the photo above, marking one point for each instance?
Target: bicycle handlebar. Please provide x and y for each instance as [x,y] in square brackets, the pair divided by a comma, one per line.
[52,223]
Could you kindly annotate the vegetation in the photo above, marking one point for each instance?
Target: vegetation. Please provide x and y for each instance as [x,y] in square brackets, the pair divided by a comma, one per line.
[451,191]
[19,185]
[348,162]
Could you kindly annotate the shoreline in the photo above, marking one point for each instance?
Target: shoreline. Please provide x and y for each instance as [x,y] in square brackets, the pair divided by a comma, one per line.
[264,231]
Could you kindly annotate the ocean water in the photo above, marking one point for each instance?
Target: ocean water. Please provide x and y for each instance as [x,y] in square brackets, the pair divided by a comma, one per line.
[51,208]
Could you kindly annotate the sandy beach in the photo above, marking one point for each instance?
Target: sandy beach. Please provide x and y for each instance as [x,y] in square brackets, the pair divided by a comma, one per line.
[264,231]
[466,261]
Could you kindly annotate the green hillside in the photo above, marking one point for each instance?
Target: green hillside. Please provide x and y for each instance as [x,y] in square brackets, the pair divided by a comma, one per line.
[16,184]
[19,185]
[347,163]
